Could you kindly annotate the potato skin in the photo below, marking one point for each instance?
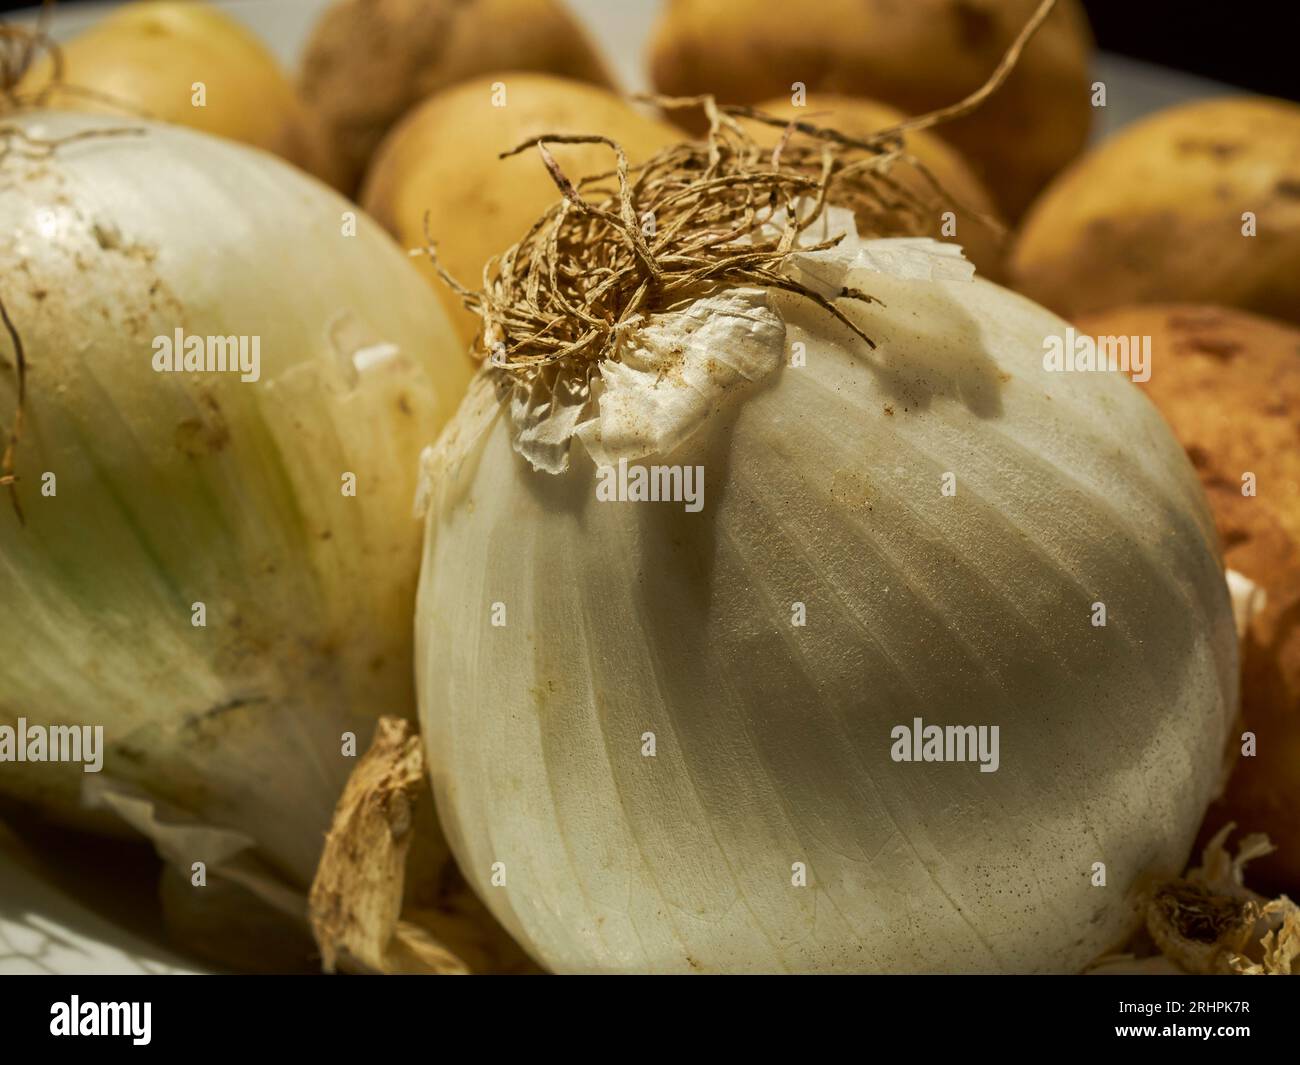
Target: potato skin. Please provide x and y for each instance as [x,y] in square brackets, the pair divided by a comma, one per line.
[916,55]
[442,159]
[370,61]
[1155,215]
[1229,384]
[861,118]
[147,57]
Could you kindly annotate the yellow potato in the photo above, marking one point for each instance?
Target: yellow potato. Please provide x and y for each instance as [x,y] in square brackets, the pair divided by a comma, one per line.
[442,159]
[1229,384]
[916,55]
[370,61]
[185,63]
[861,118]
[1156,214]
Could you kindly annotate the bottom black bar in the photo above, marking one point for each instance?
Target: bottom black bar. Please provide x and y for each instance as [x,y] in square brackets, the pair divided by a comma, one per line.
[233,1014]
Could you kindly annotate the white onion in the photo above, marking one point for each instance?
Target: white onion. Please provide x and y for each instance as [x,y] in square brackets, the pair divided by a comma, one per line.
[183,488]
[772,741]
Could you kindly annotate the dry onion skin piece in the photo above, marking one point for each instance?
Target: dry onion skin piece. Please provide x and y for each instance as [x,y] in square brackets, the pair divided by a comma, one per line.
[916,56]
[438,175]
[1210,923]
[135,495]
[370,61]
[641,759]
[185,63]
[383,849]
[1198,203]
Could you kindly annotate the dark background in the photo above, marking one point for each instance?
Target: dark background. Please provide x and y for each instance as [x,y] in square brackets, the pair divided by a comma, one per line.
[1248,43]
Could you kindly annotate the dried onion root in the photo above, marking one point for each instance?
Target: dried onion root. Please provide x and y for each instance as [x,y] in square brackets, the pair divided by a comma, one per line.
[20,47]
[1209,923]
[8,477]
[697,217]
[688,220]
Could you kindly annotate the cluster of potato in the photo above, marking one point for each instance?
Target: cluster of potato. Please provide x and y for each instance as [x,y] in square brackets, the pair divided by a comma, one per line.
[916,56]
[1185,227]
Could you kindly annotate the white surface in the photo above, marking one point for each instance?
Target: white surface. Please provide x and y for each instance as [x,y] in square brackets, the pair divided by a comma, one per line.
[43,931]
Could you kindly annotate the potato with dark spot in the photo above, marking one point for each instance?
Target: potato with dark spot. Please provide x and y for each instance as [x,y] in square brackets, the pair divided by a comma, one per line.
[1156,215]
[917,55]
[1229,385]
[368,62]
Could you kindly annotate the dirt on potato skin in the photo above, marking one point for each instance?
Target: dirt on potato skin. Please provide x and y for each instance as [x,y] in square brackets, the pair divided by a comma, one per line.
[370,61]
[1194,204]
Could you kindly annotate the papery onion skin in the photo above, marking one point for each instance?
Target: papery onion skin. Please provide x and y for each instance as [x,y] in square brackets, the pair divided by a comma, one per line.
[179,488]
[773,742]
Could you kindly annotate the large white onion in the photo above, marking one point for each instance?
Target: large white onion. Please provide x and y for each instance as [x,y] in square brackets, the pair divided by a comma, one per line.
[823,487]
[180,488]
